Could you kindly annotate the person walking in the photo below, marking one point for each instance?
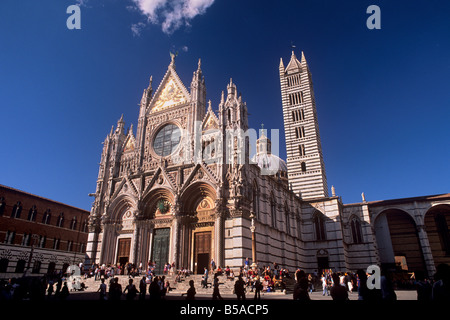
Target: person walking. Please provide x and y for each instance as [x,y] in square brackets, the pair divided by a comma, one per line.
[338,291]
[239,288]
[324,285]
[258,288]
[130,290]
[216,293]
[102,290]
[301,287]
[190,294]
[142,288]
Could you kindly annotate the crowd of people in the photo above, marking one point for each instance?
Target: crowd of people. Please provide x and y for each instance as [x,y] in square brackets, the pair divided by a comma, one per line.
[249,279]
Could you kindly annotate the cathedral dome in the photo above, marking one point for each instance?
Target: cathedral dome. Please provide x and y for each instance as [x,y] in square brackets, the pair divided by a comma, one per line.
[269,163]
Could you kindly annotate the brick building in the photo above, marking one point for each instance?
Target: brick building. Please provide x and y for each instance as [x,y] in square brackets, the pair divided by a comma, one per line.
[39,234]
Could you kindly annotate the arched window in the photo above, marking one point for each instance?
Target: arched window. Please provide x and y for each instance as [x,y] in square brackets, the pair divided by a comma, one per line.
[17,209]
[60,222]
[20,266]
[299,227]
[273,212]
[46,217]
[2,206]
[84,226]
[73,223]
[303,166]
[355,225]
[288,220]
[319,226]
[32,213]
[4,265]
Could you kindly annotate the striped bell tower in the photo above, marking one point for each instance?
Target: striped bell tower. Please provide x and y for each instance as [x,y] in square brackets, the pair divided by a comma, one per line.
[306,168]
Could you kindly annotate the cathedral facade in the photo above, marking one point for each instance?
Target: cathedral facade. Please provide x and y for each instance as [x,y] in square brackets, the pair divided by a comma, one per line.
[192,185]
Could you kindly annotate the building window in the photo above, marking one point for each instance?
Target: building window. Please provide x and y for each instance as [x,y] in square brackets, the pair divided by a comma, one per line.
[301,150]
[2,206]
[56,243]
[10,235]
[273,213]
[26,240]
[32,214]
[42,241]
[73,223]
[299,229]
[20,266]
[356,230]
[303,166]
[46,217]
[288,222]
[4,265]
[60,222]
[82,248]
[84,226]
[17,209]
[319,227]
[69,245]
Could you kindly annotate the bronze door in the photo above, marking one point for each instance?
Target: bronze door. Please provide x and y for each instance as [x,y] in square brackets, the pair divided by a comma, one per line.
[202,251]
[123,251]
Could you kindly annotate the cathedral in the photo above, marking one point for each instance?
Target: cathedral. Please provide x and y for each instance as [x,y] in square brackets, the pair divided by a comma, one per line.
[191,185]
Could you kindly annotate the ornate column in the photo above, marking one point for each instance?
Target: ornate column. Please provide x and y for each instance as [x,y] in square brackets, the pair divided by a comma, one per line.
[219,233]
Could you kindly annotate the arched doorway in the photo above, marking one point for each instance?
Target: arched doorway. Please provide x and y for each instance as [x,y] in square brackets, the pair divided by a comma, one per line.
[398,241]
[158,207]
[198,232]
[437,223]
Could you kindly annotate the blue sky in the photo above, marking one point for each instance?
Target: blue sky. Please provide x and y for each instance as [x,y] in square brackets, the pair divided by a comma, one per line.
[383,96]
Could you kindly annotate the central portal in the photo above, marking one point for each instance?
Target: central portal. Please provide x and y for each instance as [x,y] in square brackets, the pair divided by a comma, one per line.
[202,251]
[160,251]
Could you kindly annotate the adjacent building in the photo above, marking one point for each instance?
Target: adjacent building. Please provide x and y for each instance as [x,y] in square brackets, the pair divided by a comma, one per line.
[38,235]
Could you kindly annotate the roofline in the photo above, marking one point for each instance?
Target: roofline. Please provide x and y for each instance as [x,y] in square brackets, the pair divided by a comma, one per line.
[39,197]
[442,196]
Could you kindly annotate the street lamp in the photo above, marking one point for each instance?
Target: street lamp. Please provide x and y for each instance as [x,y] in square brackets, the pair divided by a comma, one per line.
[34,238]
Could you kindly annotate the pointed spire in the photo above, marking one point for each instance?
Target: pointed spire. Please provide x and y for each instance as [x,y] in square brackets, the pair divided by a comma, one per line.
[303,60]
[121,120]
[199,68]
[222,98]
[209,105]
[281,63]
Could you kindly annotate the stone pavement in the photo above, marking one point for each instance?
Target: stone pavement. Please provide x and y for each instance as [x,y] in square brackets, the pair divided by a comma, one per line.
[225,288]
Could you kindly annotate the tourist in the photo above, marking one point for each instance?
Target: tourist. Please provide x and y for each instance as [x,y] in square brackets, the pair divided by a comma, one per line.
[154,289]
[102,290]
[301,287]
[190,295]
[441,288]
[142,288]
[216,293]
[324,285]
[423,286]
[130,290]
[338,290]
[258,287]
[239,288]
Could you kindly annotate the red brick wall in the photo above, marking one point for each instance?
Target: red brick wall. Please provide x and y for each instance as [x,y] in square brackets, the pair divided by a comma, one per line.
[51,231]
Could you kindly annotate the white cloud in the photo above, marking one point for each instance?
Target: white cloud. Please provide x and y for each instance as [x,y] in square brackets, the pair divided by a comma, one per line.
[172,14]
[136,28]
[185,48]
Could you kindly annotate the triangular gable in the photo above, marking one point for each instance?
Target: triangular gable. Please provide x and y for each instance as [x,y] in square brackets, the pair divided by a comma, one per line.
[294,65]
[171,92]
[210,121]
[130,143]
